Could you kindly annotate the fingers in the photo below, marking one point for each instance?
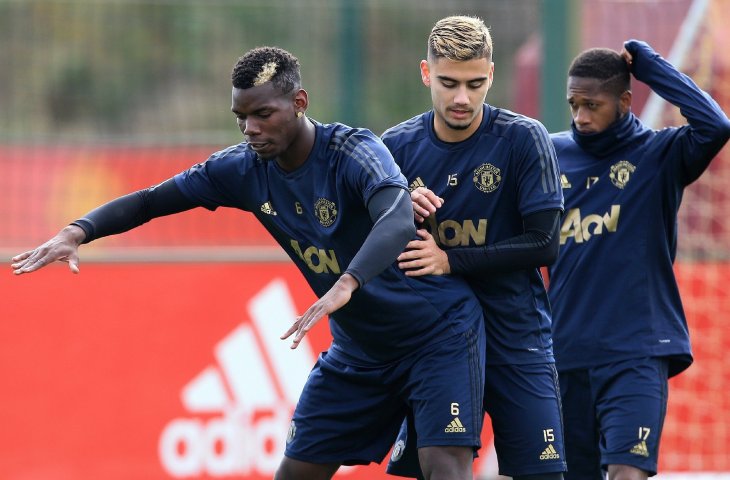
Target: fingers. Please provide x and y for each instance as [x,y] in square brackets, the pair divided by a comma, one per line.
[420,213]
[291,330]
[414,260]
[302,325]
[36,259]
[423,233]
[28,262]
[626,56]
[425,202]
[22,256]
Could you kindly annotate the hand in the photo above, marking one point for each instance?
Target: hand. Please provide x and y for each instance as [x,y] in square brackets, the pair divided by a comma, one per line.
[424,257]
[335,298]
[63,247]
[425,202]
[627,57]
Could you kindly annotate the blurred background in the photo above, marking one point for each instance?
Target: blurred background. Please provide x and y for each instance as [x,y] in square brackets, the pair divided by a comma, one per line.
[133,369]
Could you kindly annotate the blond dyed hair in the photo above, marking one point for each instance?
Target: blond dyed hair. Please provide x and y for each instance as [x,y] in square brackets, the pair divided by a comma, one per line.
[460,38]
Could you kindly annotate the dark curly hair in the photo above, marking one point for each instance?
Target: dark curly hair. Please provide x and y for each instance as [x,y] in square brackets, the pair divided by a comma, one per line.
[264,64]
[603,64]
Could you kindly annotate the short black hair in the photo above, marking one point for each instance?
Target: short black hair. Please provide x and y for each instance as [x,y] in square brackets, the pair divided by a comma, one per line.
[264,64]
[605,65]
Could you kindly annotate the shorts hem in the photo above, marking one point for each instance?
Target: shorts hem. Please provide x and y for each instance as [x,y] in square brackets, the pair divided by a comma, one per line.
[338,461]
[632,462]
[438,443]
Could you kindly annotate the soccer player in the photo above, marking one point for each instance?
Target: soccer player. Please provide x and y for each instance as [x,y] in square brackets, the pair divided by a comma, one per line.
[334,199]
[486,187]
[619,327]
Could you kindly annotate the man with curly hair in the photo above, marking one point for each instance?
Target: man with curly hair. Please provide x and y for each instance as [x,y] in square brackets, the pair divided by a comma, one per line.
[334,199]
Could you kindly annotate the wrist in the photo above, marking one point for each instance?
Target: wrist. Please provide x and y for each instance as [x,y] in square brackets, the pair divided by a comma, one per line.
[348,282]
[73,233]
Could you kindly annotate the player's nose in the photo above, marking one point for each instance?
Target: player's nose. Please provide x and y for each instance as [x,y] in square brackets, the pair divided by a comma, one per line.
[251,128]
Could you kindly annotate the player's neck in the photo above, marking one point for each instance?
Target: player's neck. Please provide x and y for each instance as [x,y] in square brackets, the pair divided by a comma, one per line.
[296,155]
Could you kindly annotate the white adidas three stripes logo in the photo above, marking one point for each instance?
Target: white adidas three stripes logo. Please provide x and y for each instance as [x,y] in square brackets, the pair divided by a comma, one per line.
[241,405]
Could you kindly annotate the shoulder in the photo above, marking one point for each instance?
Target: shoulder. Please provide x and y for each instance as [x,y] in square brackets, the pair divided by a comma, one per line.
[562,140]
[356,150]
[405,132]
[239,155]
[515,125]
[236,159]
[350,140]
[406,129]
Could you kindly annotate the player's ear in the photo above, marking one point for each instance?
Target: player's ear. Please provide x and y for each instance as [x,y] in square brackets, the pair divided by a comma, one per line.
[624,102]
[490,77]
[301,100]
[425,73]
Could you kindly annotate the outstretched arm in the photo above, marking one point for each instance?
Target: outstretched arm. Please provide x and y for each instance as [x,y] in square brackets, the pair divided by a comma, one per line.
[117,216]
[392,215]
[709,127]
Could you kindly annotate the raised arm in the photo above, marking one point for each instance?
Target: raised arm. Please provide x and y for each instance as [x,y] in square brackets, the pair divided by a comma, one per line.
[709,127]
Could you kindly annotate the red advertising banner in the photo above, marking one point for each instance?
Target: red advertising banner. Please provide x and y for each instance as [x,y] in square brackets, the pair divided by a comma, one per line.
[162,371]
[152,371]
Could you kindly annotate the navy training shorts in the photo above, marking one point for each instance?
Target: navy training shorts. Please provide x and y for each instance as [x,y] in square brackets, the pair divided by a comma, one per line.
[523,402]
[614,415]
[351,414]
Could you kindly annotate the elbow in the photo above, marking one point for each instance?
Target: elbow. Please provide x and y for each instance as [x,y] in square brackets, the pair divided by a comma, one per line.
[724,129]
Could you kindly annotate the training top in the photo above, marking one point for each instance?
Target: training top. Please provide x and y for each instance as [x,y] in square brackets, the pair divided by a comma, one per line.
[505,171]
[318,214]
[613,290]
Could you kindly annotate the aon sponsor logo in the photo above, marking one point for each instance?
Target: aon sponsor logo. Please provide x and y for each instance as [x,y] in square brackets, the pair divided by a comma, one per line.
[452,233]
[581,229]
[318,260]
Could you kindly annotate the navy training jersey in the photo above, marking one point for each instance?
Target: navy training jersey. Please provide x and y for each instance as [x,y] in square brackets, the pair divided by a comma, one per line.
[613,289]
[505,171]
[318,214]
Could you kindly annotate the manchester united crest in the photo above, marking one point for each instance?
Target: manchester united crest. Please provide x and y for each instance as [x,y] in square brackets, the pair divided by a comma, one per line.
[487,178]
[621,173]
[326,212]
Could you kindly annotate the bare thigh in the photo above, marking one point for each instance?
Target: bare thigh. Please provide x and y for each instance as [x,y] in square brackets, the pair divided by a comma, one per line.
[290,469]
[446,463]
[626,472]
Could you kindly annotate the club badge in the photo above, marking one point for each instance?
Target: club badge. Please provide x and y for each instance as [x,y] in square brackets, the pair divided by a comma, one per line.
[487,178]
[621,173]
[326,212]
